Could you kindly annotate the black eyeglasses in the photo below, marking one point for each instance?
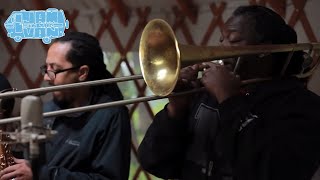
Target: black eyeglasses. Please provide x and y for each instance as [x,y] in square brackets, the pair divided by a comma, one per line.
[52,74]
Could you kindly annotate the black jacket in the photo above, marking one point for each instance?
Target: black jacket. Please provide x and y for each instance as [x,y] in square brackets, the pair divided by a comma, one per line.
[272,131]
[92,145]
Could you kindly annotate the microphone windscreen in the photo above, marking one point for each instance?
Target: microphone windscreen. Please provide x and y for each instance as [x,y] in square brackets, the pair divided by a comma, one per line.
[31,112]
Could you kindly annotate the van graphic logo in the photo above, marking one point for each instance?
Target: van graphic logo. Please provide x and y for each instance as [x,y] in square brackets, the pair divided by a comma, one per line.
[39,24]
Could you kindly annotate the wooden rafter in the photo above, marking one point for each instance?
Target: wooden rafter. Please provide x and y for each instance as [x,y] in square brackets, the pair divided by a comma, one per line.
[189,9]
[180,23]
[299,14]
[121,10]
[41,4]
[279,6]
[217,21]
[71,16]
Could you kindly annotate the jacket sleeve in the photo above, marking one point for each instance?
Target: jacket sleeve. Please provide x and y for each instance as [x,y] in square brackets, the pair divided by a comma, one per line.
[162,150]
[294,152]
[110,157]
[290,146]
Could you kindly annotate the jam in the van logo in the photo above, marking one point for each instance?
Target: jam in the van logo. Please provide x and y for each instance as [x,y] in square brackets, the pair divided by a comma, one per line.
[39,24]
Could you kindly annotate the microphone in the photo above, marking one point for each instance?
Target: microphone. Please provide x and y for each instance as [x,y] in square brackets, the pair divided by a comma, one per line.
[31,122]
[31,126]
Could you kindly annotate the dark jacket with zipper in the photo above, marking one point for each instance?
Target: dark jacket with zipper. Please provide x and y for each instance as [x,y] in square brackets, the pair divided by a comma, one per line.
[270,132]
[88,145]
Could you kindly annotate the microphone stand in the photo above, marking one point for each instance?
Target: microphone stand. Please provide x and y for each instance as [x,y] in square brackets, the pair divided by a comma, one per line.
[34,156]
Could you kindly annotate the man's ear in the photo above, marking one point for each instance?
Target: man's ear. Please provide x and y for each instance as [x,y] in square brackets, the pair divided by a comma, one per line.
[83,73]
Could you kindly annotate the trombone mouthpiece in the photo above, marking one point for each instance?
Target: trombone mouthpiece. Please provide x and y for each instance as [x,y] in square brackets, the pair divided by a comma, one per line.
[219,62]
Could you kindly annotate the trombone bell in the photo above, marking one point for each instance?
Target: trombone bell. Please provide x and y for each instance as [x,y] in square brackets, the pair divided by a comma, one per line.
[159,57]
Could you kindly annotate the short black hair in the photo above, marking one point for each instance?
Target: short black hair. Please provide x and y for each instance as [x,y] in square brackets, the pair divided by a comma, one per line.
[269,25]
[272,28]
[86,50]
[7,104]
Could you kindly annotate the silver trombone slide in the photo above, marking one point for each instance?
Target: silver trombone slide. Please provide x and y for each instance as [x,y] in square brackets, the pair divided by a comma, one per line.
[102,105]
[44,90]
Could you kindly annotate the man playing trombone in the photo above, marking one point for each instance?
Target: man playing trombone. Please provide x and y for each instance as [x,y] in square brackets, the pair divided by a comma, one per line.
[88,145]
[260,131]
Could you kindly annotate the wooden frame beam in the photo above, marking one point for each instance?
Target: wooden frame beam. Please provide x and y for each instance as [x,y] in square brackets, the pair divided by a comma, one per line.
[41,4]
[279,6]
[121,10]
[1,13]
[189,9]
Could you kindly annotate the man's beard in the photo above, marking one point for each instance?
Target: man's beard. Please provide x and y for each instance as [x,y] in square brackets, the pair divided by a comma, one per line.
[62,103]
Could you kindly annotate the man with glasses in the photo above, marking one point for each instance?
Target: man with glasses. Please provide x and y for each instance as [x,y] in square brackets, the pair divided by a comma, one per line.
[89,145]
[52,74]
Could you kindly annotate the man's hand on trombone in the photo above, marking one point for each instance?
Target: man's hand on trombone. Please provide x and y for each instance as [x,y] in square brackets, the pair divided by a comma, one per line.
[219,81]
[188,79]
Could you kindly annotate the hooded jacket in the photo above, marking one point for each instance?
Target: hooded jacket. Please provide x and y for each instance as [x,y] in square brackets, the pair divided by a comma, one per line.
[88,145]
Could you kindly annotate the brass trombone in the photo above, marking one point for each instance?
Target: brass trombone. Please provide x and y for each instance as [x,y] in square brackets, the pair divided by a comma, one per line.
[161,58]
